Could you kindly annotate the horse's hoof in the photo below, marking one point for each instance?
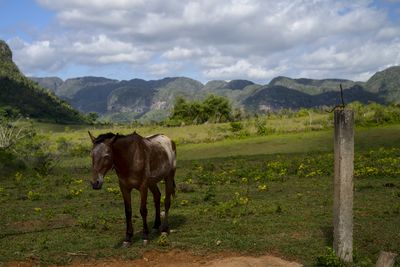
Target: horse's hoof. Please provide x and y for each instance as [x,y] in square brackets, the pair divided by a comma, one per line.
[164,233]
[126,244]
[145,242]
[162,214]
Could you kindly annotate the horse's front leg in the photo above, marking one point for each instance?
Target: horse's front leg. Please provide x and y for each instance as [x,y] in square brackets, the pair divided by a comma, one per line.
[126,194]
[143,211]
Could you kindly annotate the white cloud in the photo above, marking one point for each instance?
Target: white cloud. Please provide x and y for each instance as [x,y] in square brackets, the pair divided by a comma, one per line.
[388,33]
[91,4]
[37,55]
[101,49]
[355,63]
[134,57]
[177,53]
[164,68]
[239,70]
[100,44]
[224,39]
[54,55]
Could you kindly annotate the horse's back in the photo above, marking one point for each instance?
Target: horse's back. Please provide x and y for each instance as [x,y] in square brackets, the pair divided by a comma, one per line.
[163,149]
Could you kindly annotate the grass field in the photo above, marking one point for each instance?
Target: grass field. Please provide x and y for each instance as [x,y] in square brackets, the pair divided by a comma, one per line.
[255,194]
[204,133]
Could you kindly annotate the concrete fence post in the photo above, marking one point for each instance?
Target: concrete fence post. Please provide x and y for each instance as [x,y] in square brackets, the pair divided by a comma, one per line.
[343,184]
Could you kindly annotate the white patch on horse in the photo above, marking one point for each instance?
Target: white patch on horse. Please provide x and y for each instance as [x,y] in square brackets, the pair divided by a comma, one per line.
[100,178]
[166,144]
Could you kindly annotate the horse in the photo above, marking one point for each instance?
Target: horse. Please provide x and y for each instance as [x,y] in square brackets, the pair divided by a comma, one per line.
[140,163]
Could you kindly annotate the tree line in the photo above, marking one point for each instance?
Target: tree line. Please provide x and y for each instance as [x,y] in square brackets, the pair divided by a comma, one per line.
[213,109]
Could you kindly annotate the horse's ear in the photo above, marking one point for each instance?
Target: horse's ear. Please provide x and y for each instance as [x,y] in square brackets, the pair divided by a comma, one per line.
[91,137]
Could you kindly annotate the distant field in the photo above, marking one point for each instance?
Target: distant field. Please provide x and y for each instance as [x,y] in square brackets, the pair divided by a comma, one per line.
[197,142]
[307,142]
[195,133]
[254,194]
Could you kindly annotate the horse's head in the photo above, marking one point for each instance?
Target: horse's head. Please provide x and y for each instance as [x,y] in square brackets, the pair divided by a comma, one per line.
[102,159]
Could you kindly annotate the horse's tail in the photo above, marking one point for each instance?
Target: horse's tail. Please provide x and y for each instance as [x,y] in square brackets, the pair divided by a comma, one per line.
[173,145]
[174,168]
[170,185]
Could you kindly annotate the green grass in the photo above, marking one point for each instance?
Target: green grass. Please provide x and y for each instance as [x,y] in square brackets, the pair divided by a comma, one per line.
[318,141]
[256,195]
[189,134]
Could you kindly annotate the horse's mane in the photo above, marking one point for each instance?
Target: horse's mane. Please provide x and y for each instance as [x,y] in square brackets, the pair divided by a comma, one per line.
[152,136]
[102,137]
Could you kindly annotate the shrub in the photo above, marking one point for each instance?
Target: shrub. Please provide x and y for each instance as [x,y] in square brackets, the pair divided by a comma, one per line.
[375,114]
[37,154]
[92,117]
[11,132]
[236,126]
[261,126]
[328,259]
[9,163]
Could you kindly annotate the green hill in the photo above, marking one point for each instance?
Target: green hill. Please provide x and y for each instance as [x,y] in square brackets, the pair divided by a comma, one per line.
[153,100]
[217,85]
[386,83]
[311,86]
[19,92]
[51,83]
[69,88]
[277,97]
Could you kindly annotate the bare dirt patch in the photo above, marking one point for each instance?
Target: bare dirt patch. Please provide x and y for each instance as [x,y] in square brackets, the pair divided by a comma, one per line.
[37,225]
[179,258]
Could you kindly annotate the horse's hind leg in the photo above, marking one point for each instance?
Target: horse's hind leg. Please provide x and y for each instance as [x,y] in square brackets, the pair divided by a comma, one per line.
[156,197]
[143,211]
[169,190]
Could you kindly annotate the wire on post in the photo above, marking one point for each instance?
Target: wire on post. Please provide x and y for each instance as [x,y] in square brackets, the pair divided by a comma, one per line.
[343,105]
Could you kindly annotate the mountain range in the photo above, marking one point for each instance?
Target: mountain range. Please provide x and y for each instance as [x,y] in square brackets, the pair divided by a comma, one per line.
[54,99]
[152,100]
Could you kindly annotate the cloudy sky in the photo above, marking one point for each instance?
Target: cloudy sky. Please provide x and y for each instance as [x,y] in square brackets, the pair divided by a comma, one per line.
[202,39]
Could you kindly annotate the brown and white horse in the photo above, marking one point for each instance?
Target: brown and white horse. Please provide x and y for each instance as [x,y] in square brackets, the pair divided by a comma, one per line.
[140,163]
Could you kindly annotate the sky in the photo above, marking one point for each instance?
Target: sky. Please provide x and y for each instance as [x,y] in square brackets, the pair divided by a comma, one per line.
[205,40]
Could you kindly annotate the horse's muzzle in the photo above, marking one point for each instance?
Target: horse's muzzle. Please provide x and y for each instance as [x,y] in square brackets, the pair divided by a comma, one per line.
[97,185]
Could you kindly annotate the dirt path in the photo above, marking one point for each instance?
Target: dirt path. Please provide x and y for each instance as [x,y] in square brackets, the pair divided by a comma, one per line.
[178,258]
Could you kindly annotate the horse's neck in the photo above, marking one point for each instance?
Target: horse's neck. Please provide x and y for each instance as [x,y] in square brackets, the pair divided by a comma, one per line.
[123,154]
